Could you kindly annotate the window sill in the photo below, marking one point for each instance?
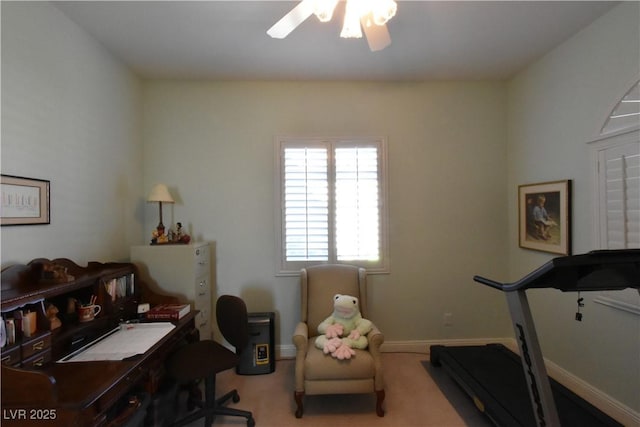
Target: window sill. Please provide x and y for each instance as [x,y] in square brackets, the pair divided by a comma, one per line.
[370,272]
[617,304]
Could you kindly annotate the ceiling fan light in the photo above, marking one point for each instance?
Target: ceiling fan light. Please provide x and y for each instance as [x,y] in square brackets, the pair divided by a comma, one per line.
[351,31]
[351,26]
[323,9]
[383,10]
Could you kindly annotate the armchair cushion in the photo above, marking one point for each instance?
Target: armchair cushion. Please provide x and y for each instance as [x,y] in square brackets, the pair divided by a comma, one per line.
[319,366]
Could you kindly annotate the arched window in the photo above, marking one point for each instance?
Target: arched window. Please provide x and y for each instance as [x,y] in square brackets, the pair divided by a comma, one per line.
[626,114]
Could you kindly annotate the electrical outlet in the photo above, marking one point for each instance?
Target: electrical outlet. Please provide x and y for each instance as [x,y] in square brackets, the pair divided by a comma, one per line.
[447,319]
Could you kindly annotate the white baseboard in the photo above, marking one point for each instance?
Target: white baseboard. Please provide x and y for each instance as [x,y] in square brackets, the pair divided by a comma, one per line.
[618,411]
[285,351]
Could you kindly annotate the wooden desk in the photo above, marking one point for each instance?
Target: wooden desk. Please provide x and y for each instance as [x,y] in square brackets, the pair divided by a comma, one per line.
[82,393]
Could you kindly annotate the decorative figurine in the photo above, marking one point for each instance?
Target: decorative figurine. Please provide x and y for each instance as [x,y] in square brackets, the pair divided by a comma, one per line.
[180,236]
[55,272]
[158,236]
[52,312]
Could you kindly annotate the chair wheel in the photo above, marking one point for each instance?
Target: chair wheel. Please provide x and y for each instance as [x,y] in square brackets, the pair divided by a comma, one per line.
[251,422]
[236,398]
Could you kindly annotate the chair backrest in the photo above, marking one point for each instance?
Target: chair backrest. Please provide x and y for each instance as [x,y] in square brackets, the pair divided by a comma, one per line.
[233,320]
[320,283]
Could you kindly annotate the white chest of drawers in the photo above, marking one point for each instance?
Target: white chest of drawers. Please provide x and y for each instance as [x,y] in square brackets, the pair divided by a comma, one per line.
[183,271]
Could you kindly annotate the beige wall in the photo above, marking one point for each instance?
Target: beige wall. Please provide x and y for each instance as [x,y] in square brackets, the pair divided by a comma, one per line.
[71,115]
[555,107]
[212,143]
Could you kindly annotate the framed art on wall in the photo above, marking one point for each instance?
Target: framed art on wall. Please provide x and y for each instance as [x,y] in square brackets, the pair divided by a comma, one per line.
[544,216]
[25,201]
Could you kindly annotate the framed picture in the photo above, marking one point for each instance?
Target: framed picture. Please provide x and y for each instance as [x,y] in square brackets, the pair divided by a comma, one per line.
[25,201]
[544,216]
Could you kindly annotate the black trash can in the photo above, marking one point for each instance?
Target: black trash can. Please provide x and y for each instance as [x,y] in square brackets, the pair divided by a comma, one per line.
[259,355]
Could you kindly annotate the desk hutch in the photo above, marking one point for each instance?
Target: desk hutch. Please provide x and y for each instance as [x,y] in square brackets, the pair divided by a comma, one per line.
[37,389]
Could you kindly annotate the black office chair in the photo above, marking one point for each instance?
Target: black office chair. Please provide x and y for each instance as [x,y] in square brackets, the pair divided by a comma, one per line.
[204,359]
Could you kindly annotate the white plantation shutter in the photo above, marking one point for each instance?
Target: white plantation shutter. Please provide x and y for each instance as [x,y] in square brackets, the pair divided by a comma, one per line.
[306,207]
[619,168]
[357,213]
[332,202]
[617,189]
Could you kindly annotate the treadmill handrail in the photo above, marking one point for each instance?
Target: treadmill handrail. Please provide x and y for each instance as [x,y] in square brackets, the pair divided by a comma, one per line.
[514,286]
[600,259]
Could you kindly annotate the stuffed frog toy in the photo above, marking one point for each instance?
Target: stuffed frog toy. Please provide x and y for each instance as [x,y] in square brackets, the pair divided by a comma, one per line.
[344,330]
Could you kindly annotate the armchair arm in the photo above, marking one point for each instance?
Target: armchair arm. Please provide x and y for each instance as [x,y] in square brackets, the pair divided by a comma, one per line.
[301,336]
[376,338]
[301,341]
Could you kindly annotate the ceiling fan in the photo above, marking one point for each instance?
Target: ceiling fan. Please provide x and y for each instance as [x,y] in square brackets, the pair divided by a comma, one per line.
[368,15]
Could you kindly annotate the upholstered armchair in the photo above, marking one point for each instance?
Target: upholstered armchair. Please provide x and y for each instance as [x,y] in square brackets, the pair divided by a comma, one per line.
[319,373]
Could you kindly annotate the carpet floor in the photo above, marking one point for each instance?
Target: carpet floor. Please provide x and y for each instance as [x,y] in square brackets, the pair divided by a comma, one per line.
[417,395]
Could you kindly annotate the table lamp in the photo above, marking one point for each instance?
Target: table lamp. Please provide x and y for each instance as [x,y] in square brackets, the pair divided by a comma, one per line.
[160,193]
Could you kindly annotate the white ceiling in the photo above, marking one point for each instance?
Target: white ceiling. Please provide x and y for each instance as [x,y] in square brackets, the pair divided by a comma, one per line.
[430,39]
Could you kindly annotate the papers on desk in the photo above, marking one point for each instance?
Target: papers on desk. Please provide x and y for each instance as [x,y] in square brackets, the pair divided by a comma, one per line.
[127,340]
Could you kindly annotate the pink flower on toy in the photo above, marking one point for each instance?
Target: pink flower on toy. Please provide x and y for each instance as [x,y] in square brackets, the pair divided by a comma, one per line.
[334,330]
[354,335]
[330,346]
[343,352]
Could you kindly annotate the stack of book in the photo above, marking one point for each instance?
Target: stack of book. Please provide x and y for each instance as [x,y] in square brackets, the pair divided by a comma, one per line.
[168,312]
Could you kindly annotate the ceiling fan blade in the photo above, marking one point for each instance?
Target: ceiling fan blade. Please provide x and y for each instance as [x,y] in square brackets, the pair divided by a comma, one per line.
[377,36]
[291,20]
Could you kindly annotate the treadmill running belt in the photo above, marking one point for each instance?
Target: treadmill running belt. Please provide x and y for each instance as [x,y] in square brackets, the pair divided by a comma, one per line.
[493,376]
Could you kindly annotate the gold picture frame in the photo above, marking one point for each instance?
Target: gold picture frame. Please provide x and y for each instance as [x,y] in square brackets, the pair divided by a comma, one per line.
[25,201]
[544,216]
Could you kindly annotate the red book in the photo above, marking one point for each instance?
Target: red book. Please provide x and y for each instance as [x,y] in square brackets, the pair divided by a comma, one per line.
[168,312]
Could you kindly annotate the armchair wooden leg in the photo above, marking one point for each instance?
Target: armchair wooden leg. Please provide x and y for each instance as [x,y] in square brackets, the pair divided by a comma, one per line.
[298,396]
[379,400]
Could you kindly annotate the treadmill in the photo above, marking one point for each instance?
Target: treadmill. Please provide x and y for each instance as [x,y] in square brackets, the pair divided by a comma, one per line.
[516,391]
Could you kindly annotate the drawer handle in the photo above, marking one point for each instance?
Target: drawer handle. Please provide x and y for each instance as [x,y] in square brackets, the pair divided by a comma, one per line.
[39,362]
[39,345]
[6,359]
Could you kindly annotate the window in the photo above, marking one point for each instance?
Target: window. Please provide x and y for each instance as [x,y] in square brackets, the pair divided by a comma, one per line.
[616,166]
[332,197]
[626,114]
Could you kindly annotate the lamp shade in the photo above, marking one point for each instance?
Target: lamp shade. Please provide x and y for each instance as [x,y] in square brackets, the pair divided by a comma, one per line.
[160,193]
